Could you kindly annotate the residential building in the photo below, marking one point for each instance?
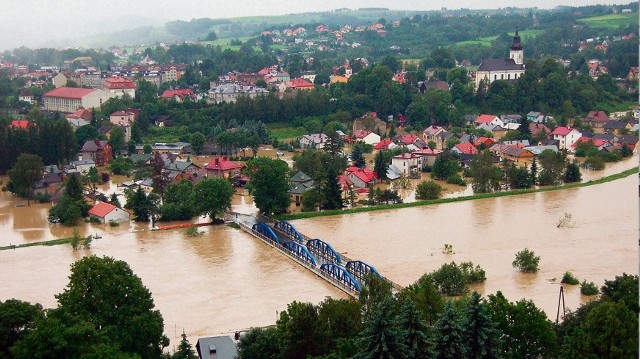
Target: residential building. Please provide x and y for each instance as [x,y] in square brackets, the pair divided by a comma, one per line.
[566,136]
[70,99]
[465,147]
[488,120]
[370,122]
[108,213]
[221,347]
[371,139]
[597,119]
[314,140]
[361,177]
[79,166]
[98,151]
[300,183]
[122,118]
[179,95]
[407,163]
[221,167]
[161,147]
[230,92]
[503,69]
[120,86]
[26,96]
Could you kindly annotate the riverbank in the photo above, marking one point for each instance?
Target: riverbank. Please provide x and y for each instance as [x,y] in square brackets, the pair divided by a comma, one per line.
[606,179]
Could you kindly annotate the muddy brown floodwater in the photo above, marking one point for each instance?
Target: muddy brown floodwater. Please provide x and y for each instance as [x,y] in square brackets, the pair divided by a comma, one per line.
[403,244]
[226,280]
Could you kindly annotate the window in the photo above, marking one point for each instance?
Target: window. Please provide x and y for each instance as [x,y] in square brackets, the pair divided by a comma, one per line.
[502,77]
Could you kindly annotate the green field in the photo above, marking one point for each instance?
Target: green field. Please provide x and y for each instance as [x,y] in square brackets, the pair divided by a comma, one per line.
[612,20]
[486,41]
[284,132]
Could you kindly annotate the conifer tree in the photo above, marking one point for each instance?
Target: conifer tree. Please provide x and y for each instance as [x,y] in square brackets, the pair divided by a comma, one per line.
[414,331]
[449,340]
[381,337]
[185,351]
[480,334]
[332,192]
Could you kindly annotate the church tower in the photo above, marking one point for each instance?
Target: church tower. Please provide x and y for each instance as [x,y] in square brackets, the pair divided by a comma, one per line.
[516,52]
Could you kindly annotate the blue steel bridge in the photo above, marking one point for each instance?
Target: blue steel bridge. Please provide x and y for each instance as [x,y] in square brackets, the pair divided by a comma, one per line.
[314,254]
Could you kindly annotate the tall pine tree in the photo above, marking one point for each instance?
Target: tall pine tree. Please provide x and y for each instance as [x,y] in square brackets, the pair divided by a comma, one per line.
[450,343]
[414,331]
[479,331]
[185,351]
[332,192]
[381,337]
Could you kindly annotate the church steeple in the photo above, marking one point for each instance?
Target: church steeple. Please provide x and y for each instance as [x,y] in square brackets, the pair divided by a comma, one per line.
[516,46]
[516,53]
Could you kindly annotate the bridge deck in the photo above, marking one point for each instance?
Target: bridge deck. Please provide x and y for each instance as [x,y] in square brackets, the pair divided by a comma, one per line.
[247,221]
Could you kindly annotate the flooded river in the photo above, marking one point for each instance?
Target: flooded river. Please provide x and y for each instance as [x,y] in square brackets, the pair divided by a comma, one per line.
[226,280]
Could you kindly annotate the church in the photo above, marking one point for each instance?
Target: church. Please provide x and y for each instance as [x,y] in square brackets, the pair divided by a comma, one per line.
[503,69]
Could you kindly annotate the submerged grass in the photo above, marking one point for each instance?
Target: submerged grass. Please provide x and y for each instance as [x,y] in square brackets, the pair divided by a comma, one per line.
[457,199]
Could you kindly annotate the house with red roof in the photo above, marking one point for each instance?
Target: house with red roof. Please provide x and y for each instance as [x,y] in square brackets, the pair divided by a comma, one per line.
[465,148]
[596,142]
[120,86]
[108,213]
[23,124]
[566,136]
[122,118]
[69,99]
[361,177]
[299,84]
[221,167]
[431,133]
[486,141]
[179,94]
[536,128]
[371,138]
[385,145]
[488,120]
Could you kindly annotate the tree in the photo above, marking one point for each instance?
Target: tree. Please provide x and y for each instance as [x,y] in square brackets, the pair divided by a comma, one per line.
[428,190]
[185,351]
[572,173]
[445,166]
[25,173]
[117,139]
[449,339]
[143,206]
[178,203]
[358,158]
[72,206]
[196,140]
[533,171]
[269,185]
[381,337]
[414,331]
[92,179]
[259,343]
[480,334]
[300,331]
[106,293]
[526,261]
[624,289]
[160,176]
[527,332]
[517,177]
[553,166]
[17,319]
[486,175]
[212,197]
[331,190]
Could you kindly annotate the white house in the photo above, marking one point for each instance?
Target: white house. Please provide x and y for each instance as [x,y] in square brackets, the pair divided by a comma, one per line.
[566,136]
[314,140]
[106,213]
[80,166]
[488,120]
[371,139]
[407,163]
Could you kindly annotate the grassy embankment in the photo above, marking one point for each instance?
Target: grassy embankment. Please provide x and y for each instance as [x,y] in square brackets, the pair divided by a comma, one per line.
[612,21]
[458,199]
[284,132]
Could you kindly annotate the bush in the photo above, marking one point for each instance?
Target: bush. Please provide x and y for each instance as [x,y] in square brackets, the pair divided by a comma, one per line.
[526,261]
[473,274]
[193,231]
[120,166]
[456,179]
[42,197]
[568,278]
[588,288]
[428,190]
[594,163]
[452,279]
[113,223]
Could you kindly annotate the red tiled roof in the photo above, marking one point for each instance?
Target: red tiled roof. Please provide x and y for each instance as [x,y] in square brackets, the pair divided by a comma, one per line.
[409,139]
[383,144]
[179,92]
[222,164]
[595,141]
[467,147]
[483,140]
[23,124]
[83,113]
[298,83]
[484,118]
[69,92]
[597,116]
[361,133]
[561,131]
[364,174]
[101,209]
[119,83]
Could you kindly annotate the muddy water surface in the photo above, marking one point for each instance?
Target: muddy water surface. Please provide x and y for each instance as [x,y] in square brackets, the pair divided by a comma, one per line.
[403,244]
